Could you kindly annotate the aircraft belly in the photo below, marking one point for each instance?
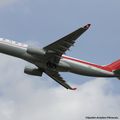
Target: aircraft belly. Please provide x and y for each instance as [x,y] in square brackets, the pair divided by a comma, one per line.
[82,69]
[63,67]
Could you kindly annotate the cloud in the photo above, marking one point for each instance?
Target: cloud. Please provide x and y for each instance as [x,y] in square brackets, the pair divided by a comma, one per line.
[6,2]
[25,97]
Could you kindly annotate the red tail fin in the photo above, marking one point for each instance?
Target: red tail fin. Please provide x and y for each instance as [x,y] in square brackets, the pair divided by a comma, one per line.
[114,66]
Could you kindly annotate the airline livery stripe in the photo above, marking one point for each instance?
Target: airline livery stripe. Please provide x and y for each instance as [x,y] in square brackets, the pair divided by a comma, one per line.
[87,63]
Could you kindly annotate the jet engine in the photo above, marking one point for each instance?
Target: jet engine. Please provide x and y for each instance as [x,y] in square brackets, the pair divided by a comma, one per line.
[33,71]
[35,51]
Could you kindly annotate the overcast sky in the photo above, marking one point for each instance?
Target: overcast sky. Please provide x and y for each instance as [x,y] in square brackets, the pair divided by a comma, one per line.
[41,22]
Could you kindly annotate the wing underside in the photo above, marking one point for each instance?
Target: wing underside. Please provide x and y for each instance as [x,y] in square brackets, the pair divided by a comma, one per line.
[62,45]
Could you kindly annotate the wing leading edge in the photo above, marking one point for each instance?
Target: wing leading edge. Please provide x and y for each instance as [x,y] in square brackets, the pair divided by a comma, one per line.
[55,50]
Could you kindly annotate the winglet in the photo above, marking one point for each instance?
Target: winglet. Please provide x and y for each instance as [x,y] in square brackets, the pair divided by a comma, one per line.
[87,26]
[73,88]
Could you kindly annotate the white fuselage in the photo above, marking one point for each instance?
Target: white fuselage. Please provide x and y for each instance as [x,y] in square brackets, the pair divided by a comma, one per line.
[66,64]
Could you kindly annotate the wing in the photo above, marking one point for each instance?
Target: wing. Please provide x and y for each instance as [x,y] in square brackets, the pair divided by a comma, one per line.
[56,76]
[56,49]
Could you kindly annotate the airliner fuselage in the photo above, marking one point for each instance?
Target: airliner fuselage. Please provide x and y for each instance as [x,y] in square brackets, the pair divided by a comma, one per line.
[66,64]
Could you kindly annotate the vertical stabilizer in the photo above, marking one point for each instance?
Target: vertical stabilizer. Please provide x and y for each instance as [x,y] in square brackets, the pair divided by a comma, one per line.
[115,67]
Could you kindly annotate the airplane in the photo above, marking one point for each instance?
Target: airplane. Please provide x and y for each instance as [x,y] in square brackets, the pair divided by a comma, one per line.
[51,59]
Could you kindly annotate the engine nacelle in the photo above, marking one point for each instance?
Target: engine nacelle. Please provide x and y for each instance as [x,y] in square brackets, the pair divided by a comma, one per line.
[35,51]
[33,71]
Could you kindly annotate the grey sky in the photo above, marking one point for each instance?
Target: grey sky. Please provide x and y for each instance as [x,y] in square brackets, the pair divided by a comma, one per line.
[46,21]
[42,22]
